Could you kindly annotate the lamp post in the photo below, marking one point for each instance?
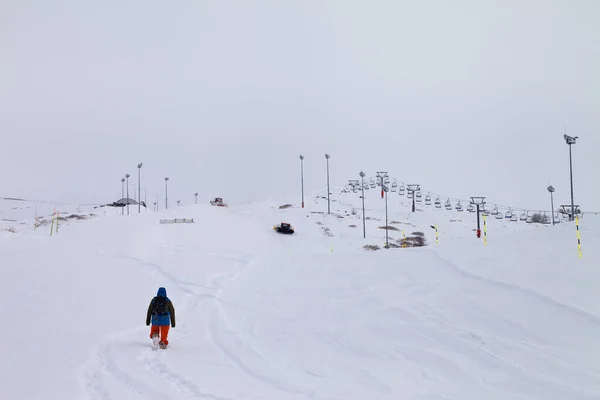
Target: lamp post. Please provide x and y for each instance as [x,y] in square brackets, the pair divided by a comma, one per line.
[571,140]
[178,201]
[122,194]
[478,201]
[139,187]
[156,194]
[127,177]
[196,198]
[551,190]
[166,193]
[155,206]
[362,186]
[412,189]
[328,203]
[302,177]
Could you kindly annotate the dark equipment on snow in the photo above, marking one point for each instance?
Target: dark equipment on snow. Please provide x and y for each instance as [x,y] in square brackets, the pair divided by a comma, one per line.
[284,228]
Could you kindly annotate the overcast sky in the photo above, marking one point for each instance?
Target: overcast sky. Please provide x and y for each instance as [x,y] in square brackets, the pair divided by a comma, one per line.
[463,97]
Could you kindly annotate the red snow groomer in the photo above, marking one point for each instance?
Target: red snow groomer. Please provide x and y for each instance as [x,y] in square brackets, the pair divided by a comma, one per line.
[218,201]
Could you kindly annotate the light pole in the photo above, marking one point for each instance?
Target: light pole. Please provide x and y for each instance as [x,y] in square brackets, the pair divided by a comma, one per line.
[178,201]
[166,193]
[139,188]
[156,205]
[127,177]
[362,186]
[302,177]
[571,140]
[328,203]
[196,198]
[478,201]
[122,194]
[156,194]
[551,190]
[412,189]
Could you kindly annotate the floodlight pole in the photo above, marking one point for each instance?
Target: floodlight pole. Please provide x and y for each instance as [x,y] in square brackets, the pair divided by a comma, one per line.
[123,194]
[166,193]
[196,198]
[328,203]
[139,188]
[302,177]
[570,141]
[382,175]
[362,179]
[551,190]
[127,177]
[156,194]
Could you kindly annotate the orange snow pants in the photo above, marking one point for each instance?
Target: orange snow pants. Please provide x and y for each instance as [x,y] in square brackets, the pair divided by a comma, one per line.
[162,330]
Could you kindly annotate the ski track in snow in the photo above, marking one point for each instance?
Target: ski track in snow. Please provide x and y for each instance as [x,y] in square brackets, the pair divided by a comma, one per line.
[105,367]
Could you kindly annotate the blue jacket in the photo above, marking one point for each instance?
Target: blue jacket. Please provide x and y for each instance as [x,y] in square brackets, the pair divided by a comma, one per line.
[161,320]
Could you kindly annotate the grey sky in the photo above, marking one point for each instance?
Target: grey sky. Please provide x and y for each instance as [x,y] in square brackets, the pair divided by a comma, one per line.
[463,97]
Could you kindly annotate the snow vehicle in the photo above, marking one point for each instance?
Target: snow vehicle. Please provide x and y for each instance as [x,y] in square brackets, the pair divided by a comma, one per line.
[284,228]
[218,201]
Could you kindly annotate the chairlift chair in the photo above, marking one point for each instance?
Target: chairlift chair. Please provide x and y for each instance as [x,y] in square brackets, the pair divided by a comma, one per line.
[514,218]
[393,189]
[523,217]
[499,215]
[459,206]
[495,211]
[448,205]
[419,197]
[428,200]
[508,214]
[471,208]
[410,194]
[438,203]
[394,184]
[401,189]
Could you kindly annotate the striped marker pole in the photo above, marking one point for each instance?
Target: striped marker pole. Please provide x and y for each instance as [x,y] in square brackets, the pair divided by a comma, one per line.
[578,237]
[484,230]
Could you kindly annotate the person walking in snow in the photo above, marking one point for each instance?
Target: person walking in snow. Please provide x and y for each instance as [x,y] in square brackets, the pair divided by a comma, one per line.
[162,314]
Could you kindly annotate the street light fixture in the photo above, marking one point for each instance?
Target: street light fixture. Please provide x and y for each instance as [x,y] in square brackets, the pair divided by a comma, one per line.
[166,193]
[123,194]
[178,201]
[139,188]
[127,177]
[362,186]
[412,189]
[571,140]
[551,190]
[302,177]
[196,198]
[328,203]
[478,201]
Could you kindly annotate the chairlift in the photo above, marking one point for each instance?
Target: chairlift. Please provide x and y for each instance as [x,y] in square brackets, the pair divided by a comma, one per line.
[394,184]
[471,208]
[428,200]
[523,216]
[419,196]
[410,194]
[508,214]
[438,203]
[499,215]
[514,218]
[495,211]
[459,206]
[529,218]
[448,205]
[485,212]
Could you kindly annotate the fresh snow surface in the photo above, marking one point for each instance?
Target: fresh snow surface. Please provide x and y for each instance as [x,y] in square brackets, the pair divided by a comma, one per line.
[306,316]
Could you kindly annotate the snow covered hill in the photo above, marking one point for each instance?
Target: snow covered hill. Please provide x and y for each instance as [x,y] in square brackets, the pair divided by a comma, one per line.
[311,315]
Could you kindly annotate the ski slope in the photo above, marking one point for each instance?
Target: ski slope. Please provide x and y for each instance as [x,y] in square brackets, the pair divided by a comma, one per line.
[308,316]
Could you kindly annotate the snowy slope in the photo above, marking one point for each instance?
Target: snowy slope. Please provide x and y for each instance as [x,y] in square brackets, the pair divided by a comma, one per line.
[313,315]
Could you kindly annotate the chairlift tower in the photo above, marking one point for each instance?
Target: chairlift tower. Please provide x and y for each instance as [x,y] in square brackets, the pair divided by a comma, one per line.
[412,189]
[382,176]
[362,179]
[570,141]
[551,190]
[478,201]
